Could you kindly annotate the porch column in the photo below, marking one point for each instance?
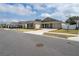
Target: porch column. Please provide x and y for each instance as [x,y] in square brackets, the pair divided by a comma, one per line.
[25,25]
[7,26]
[50,25]
[54,25]
[43,25]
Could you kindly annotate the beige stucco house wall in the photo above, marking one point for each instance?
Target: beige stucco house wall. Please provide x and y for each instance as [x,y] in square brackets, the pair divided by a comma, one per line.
[37,26]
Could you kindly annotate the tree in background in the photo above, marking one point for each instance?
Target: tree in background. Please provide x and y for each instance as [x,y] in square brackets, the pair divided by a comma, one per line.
[37,19]
[3,26]
[72,20]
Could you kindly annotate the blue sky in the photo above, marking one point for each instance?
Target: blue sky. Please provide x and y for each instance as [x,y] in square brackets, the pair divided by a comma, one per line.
[19,11]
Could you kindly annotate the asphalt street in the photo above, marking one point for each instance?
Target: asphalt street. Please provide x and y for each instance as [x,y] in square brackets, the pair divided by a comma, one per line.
[22,44]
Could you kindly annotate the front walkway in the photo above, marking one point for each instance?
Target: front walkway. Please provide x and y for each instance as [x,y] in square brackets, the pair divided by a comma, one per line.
[39,32]
[74,38]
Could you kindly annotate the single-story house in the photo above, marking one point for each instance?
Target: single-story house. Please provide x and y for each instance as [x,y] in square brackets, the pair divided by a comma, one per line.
[14,25]
[45,23]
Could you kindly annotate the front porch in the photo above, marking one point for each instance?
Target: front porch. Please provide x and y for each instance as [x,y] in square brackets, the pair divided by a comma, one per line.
[52,25]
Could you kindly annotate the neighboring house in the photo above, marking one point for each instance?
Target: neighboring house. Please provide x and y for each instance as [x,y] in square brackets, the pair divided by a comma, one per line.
[46,23]
[14,25]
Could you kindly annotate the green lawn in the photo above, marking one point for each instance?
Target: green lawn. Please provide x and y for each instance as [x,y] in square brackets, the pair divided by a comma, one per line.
[58,35]
[66,31]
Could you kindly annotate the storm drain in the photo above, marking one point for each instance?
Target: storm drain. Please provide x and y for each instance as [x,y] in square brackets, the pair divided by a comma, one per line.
[70,43]
[39,45]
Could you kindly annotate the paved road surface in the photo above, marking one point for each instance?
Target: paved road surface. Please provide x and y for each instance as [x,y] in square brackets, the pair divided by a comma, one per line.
[22,44]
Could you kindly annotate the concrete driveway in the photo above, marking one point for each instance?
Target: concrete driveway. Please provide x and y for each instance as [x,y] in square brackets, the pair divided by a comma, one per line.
[39,32]
[23,44]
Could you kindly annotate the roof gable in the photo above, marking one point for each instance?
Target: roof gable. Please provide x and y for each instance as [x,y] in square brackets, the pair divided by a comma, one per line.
[48,19]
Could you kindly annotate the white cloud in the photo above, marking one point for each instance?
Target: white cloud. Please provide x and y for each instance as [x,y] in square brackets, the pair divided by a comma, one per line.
[45,15]
[39,6]
[28,7]
[62,11]
[17,8]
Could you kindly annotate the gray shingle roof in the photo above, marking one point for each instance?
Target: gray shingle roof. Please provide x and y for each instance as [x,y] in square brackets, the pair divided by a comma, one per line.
[48,19]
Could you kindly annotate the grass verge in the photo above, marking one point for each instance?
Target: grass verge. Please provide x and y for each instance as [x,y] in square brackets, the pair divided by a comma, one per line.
[59,35]
[66,31]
